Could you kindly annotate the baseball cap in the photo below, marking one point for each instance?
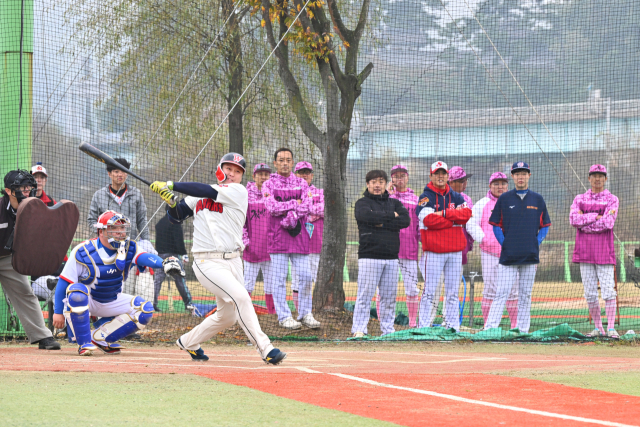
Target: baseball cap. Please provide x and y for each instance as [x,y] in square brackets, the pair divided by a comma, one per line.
[399,168]
[439,165]
[497,176]
[17,177]
[38,168]
[303,165]
[260,167]
[598,169]
[456,173]
[520,166]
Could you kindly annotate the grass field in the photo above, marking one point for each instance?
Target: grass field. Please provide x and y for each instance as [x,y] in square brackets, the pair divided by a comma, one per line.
[326,384]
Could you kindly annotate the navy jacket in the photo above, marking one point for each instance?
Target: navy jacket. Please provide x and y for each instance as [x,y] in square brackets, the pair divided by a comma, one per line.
[520,220]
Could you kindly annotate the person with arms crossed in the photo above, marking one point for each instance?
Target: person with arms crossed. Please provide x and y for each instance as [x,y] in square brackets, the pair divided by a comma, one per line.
[170,243]
[380,219]
[408,254]
[442,215]
[19,185]
[288,200]
[127,200]
[482,232]
[520,223]
[219,213]
[594,214]
[314,225]
[255,255]
[91,285]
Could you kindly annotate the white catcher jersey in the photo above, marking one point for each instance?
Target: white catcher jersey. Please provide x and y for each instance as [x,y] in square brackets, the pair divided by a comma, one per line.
[217,224]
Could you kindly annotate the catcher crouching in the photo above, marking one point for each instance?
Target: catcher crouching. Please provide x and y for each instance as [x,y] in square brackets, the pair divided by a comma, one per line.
[91,285]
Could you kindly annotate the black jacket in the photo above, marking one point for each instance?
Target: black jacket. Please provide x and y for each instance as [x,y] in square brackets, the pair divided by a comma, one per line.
[169,238]
[7,222]
[378,226]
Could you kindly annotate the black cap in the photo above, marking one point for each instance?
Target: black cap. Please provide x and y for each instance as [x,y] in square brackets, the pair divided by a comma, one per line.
[17,178]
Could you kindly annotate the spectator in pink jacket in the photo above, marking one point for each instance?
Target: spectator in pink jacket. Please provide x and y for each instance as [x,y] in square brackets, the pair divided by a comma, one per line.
[254,236]
[314,225]
[482,232]
[408,255]
[288,200]
[594,214]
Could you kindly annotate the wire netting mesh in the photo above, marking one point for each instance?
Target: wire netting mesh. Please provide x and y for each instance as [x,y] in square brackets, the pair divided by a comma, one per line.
[349,87]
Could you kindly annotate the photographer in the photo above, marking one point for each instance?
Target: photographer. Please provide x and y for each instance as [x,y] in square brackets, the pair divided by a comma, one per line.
[18,185]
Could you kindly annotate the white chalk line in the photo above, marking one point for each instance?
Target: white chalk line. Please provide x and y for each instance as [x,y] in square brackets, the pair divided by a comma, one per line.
[482,403]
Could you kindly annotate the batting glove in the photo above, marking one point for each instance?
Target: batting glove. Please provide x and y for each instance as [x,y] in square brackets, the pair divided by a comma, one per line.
[164,190]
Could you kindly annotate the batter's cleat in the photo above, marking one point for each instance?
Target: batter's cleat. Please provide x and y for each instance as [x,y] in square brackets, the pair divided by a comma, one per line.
[309,321]
[290,323]
[612,333]
[113,348]
[594,334]
[197,355]
[86,349]
[48,344]
[359,335]
[275,357]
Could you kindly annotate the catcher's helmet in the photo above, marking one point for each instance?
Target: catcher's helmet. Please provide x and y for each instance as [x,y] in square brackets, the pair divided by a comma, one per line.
[20,178]
[111,219]
[233,158]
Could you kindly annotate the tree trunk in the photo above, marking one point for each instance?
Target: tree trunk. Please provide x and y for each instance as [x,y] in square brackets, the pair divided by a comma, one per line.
[329,291]
[236,70]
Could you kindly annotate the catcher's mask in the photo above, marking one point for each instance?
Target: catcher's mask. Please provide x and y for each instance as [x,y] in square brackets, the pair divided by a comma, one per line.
[116,227]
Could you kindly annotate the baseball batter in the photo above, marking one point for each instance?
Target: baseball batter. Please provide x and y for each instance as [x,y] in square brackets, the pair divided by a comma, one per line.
[521,222]
[482,232]
[91,285]
[219,213]
[255,256]
[442,214]
[594,214]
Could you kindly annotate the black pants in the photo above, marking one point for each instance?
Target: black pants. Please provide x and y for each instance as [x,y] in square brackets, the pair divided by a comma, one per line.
[181,283]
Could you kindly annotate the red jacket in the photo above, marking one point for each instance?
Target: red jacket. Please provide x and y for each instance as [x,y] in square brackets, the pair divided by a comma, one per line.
[442,234]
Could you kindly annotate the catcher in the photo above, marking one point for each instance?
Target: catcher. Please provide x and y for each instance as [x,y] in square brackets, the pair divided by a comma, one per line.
[91,285]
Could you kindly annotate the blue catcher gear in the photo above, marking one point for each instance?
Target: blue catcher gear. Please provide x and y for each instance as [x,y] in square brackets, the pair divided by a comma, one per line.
[108,278]
[115,328]
[77,314]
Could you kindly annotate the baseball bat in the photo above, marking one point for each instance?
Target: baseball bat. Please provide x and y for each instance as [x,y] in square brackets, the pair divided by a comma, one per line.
[108,160]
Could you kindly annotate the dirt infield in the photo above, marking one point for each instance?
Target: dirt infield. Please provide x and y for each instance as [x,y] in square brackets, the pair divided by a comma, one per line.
[407,385]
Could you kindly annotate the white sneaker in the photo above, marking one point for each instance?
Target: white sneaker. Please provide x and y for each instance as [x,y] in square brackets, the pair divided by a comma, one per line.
[593,334]
[309,321]
[290,323]
[612,333]
[358,335]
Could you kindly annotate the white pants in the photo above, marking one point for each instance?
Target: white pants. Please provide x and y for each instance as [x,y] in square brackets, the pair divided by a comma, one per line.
[490,265]
[383,275]
[278,280]
[409,269]
[433,309]
[40,288]
[591,274]
[451,265]
[139,284]
[508,276]
[224,278]
[314,262]
[251,270]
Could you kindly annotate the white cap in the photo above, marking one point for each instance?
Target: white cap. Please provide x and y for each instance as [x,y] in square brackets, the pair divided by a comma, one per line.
[38,168]
[439,165]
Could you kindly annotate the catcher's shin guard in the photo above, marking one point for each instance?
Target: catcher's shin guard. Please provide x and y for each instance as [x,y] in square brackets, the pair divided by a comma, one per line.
[77,313]
[114,329]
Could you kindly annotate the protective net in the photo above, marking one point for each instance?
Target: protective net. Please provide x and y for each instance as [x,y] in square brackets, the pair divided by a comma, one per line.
[367,97]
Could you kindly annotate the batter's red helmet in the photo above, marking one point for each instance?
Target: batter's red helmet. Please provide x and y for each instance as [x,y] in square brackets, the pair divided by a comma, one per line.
[233,158]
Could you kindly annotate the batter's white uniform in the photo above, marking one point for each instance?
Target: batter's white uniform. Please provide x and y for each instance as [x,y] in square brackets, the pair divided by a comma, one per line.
[218,229]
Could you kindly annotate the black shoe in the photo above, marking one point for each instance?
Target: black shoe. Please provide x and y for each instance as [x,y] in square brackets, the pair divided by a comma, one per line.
[48,344]
[275,357]
[157,309]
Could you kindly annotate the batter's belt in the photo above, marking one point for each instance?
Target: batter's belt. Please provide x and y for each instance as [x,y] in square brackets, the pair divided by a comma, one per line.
[217,255]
